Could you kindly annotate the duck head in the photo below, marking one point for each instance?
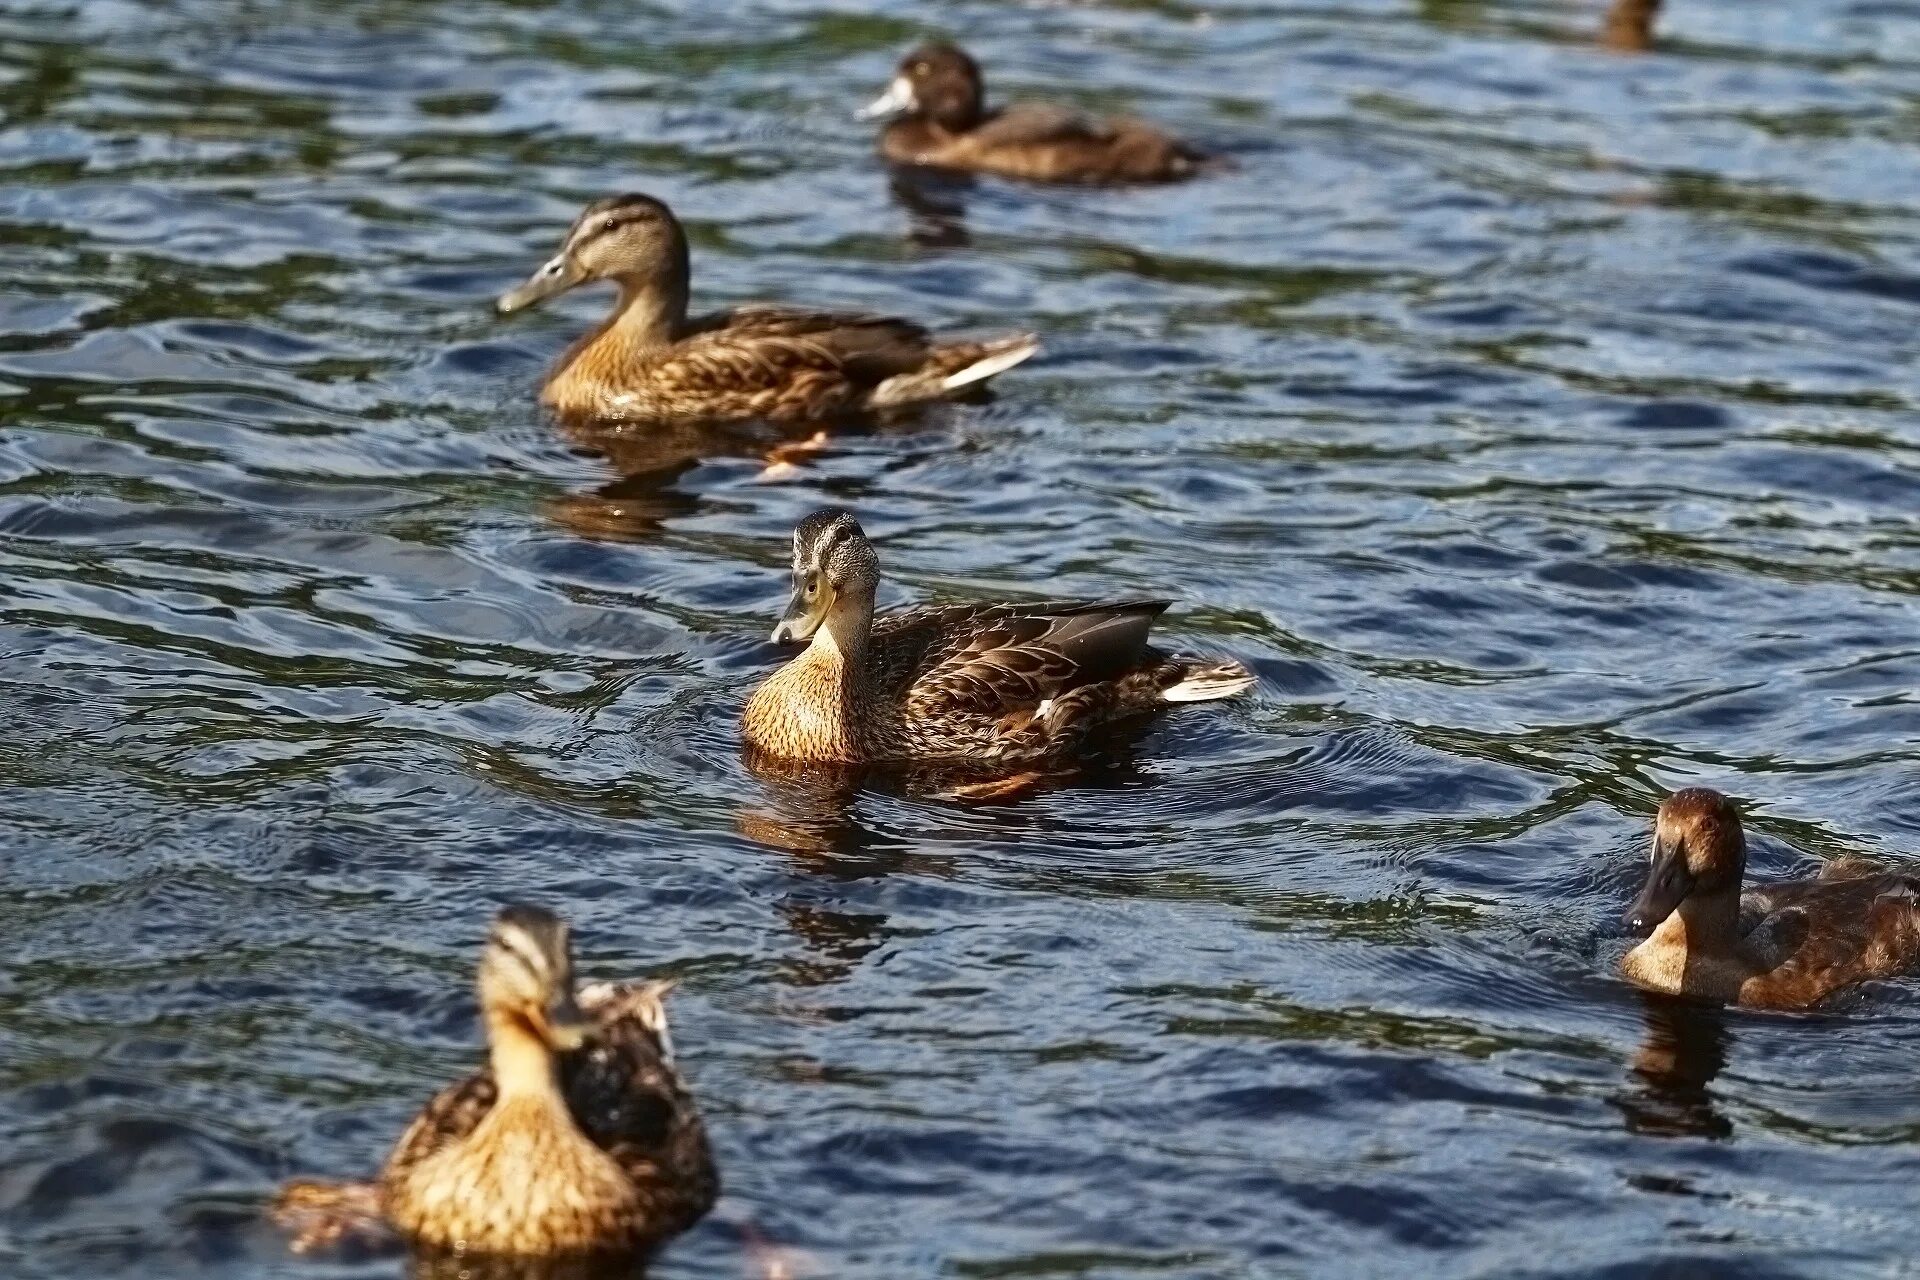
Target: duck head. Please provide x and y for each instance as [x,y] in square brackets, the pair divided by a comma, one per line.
[835,574]
[526,978]
[631,239]
[936,82]
[1699,850]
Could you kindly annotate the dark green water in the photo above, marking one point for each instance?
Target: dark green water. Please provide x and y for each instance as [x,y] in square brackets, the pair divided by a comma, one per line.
[1541,424]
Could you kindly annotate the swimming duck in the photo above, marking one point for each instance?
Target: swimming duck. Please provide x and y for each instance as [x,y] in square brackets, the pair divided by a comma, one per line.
[986,683]
[1787,945]
[578,1138]
[650,359]
[943,122]
[1629,26]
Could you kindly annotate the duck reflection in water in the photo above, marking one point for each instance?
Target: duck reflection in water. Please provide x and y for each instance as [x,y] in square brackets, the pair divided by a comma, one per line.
[935,203]
[808,808]
[447,1266]
[1669,1093]
[651,464]
[764,1260]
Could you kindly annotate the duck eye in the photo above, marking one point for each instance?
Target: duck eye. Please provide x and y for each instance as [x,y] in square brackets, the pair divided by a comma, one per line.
[609,224]
[921,68]
[813,587]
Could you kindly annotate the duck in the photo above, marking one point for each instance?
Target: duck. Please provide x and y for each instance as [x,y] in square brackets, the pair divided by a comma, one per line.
[1785,945]
[1629,26]
[578,1138]
[982,683]
[649,359]
[936,105]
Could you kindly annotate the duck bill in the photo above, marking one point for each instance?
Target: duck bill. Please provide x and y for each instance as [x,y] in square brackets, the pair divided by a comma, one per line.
[1668,884]
[803,617]
[556,276]
[567,1027]
[897,100]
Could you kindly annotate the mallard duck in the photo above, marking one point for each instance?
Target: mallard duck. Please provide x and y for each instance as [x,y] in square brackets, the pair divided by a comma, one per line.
[579,1137]
[941,120]
[1787,945]
[985,683]
[650,360]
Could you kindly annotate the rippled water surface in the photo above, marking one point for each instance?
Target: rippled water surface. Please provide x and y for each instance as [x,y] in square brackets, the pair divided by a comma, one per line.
[1539,422]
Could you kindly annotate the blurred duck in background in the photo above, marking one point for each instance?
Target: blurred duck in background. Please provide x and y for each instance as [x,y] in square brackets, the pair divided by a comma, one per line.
[939,118]
[578,1138]
[1629,26]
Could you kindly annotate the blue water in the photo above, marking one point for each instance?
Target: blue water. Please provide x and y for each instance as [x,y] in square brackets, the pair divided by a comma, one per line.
[1540,423]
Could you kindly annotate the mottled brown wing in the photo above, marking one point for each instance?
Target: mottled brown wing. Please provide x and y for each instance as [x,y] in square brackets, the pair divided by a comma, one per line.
[626,1095]
[1028,124]
[1829,896]
[1840,930]
[452,1114]
[765,347]
[1009,658]
[854,327]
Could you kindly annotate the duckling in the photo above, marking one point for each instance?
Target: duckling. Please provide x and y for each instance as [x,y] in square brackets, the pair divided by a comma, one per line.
[1787,945]
[985,683]
[650,360]
[938,99]
[578,1138]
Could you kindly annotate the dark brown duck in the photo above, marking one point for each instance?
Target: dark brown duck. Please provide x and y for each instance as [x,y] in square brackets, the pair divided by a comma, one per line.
[1787,945]
[941,120]
[649,359]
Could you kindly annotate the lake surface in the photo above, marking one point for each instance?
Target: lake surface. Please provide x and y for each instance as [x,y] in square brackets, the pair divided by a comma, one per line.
[1540,423]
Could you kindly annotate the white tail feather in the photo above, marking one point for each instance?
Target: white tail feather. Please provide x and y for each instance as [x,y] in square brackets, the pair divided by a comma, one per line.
[1206,686]
[987,366]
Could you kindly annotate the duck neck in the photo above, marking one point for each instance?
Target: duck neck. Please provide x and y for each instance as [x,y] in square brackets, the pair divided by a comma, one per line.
[840,649]
[649,314]
[1711,921]
[523,1066]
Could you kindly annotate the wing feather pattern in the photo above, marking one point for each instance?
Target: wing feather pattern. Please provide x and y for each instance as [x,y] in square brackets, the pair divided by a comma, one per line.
[996,660]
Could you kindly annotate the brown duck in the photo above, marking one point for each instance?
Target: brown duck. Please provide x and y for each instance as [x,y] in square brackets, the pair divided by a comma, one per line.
[1787,945]
[650,360]
[1629,26]
[579,1137]
[941,120]
[983,683]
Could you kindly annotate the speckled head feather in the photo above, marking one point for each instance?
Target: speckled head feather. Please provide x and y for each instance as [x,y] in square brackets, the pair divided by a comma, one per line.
[835,575]
[831,542]
[612,214]
[632,238]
